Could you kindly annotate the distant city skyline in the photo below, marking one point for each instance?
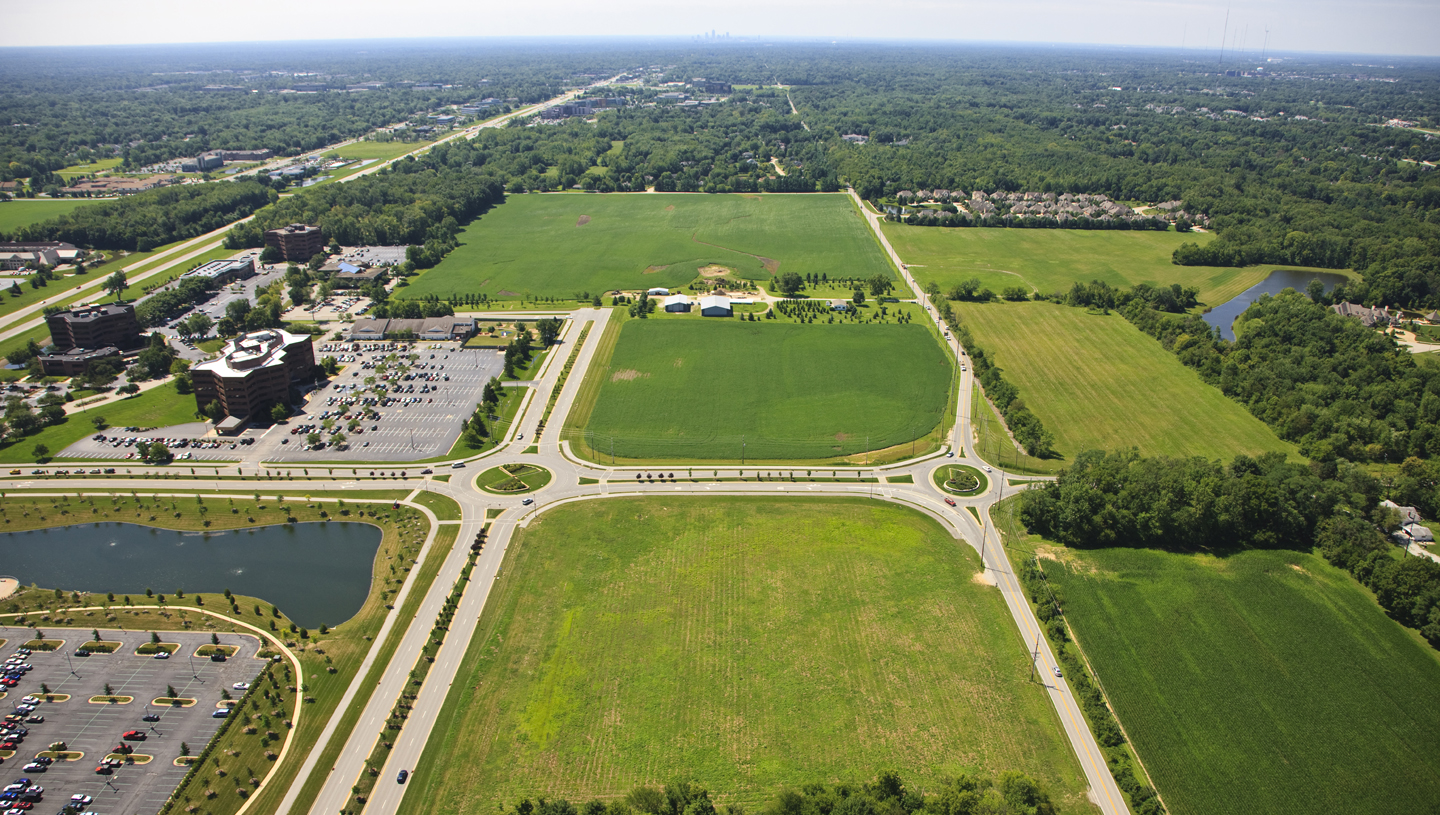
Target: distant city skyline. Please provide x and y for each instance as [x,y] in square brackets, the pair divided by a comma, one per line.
[1244,30]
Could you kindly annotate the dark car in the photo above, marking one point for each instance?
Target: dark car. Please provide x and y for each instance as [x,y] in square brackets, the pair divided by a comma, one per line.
[150,717]
[404,774]
[217,657]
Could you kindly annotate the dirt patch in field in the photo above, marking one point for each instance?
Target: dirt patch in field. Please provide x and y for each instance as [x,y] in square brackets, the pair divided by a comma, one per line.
[1301,569]
[627,375]
[713,270]
[771,265]
[654,269]
[584,219]
[670,208]
[508,293]
[679,362]
[842,437]
[983,578]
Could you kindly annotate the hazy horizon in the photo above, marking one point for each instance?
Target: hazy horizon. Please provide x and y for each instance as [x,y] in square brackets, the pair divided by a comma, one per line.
[1391,28]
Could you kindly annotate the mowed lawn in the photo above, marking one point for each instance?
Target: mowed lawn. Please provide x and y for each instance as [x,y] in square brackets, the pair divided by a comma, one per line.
[1051,260]
[1266,683]
[1097,382]
[746,644]
[160,406]
[26,211]
[560,245]
[702,388]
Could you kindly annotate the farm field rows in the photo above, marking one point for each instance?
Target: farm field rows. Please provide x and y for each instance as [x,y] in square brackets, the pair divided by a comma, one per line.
[562,244]
[1051,260]
[1263,683]
[743,643]
[688,388]
[1097,382]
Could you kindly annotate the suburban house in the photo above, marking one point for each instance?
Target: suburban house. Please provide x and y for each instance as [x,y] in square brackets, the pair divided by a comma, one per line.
[677,303]
[715,305]
[1369,317]
[1411,530]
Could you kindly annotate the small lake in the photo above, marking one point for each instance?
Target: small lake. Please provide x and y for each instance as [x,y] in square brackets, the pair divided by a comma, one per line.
[315,572]
[1279,280]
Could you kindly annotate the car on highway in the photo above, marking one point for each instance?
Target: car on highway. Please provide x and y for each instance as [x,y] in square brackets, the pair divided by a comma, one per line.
[1056,669]
[950,501]
[400,779]
[457,465]
[527,502]
[987,468]
[950,454]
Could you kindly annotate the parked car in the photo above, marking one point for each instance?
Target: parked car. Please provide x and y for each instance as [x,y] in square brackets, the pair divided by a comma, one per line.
[133,735]
[162,655]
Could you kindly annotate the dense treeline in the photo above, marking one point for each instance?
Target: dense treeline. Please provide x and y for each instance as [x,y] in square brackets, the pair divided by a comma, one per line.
[1011,793]
[1325,382]
[149,219]
[1408,589]
[1121,499]
[418,202]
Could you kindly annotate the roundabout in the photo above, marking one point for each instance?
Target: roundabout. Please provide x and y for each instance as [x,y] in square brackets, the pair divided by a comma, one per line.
[513,479]
[960,480]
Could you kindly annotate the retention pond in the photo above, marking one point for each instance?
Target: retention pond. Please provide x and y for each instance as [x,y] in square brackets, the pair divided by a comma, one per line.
[1223,316]
[315,572]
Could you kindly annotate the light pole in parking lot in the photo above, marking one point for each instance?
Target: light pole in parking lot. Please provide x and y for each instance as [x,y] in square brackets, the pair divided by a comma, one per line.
[193,673]
[71,664]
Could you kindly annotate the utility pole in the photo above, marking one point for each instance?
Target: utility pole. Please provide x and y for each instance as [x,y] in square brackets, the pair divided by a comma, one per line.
[1034,656]
[742,450]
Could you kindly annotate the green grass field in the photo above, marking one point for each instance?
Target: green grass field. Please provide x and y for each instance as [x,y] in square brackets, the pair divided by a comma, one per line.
[743,643]
[1266,683]
[693,389]
[27,211]
[536,244]
[1051,260]
[1097,382]
[157,407]
[103,165]
[383,150]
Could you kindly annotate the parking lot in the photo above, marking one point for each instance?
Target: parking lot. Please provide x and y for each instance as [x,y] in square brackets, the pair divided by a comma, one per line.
[421,418]
[190,442]
[93,729]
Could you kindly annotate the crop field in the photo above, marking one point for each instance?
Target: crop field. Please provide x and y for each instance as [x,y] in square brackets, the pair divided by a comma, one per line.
[560,245]
[1266,683]
[1051,260]
[765,390]
[1097,382]
[23,212]
[743,643]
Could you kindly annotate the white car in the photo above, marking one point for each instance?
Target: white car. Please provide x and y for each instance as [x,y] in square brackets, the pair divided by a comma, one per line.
[241,686]
[987,468]
[30,700]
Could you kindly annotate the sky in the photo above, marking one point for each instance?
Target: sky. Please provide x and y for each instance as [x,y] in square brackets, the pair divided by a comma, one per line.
[1379,27]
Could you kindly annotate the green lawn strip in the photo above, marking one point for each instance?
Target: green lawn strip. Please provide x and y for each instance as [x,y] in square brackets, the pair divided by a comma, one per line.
[400,711]
[580,681]
[30,295]
[443,506]
[499,427]
[157,407]
[900,479]
[993,442]
[767,391]
[444,540]
[537,245]
[96,167]
[1095,380]
[149,284]
[585,398]
[560,381]
[960,479]
[1262,682]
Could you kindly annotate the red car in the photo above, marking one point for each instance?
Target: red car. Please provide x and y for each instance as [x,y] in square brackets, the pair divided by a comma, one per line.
[133,735]
[123,749]
[103,770]
[950,501]
[8,745]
